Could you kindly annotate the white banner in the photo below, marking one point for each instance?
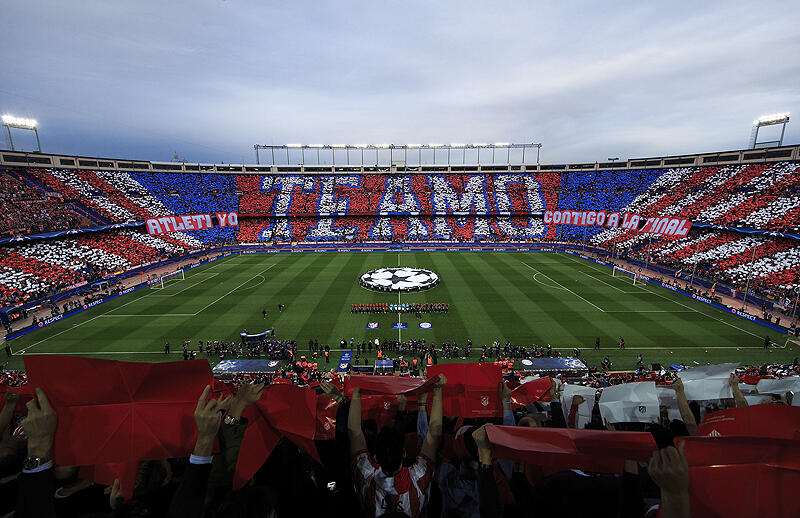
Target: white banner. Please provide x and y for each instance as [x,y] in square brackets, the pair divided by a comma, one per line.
[630,403]
[668,398]
[708,382]
[584,409]
[781,387]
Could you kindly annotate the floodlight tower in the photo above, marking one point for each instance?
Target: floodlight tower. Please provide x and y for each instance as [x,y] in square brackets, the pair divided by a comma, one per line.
[10,121]
[768,120]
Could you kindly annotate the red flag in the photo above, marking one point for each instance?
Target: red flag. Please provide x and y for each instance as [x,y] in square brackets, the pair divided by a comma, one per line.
[743,476]
[471,389]
[283,410]
[566,448]
[111,411]
[260,438]
[379,407]
[531,391]
[388,385]
[326,418]
[775,421]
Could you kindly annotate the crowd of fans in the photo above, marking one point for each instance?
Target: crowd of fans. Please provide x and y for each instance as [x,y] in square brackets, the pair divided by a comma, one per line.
[395,452]
[41,269]
[360,208]
[28,210]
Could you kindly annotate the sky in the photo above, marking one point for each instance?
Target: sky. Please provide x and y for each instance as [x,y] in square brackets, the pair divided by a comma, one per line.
[208,79]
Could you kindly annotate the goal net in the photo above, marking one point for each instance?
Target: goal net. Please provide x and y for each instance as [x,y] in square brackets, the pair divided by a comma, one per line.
[161,282]
[626,274]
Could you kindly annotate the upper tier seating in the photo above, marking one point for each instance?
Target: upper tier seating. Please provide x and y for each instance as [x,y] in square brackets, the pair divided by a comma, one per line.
[27,209]
[413,207]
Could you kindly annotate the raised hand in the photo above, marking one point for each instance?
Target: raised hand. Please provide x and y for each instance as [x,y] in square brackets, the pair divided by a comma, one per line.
[246,395]
[40,425]
[505,392]
[483,444]
[332,391]
[115,498]
[670,470]
[208,417]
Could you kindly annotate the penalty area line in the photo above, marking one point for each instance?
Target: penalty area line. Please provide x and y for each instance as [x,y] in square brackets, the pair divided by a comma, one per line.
[563,287]
[234,289]
[654,292]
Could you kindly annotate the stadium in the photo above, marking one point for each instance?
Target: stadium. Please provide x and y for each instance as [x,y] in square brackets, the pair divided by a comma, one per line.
[509,276]
[461,329]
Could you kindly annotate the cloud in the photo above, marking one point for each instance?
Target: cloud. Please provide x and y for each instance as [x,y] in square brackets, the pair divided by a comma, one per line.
[211,78]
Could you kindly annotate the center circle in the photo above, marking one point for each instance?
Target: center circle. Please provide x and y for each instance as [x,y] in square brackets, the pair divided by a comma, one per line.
[399,279]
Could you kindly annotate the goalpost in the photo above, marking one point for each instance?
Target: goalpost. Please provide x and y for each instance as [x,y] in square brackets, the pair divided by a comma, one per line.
[158,284]
[626,274]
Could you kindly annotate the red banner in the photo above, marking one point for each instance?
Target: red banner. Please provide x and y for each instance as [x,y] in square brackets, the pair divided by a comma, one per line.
[472,389]
[388,385]
[532,391]
[567,448]
[163,224]
[775,421]
[111,411]
[668,226]
[743,476]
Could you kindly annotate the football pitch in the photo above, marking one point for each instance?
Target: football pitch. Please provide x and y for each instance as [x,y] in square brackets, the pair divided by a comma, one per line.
[521,297]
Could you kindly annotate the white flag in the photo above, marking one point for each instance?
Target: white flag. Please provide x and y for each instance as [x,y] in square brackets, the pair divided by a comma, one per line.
[757,399]
[781,387]
[584,409]
[708,382]
[668,398]
[630,403]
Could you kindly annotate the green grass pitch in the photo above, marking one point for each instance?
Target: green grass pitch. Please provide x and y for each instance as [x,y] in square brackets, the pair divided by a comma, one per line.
[524,297]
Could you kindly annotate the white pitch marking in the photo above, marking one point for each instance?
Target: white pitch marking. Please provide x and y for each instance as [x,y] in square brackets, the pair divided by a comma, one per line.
[682,304]
[611,285]
[231,291]
[545,284]
[204,279]
[218,261]
[148,315]
[564,287]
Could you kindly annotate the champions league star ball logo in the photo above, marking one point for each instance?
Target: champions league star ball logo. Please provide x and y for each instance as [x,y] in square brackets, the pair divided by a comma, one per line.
[399,279]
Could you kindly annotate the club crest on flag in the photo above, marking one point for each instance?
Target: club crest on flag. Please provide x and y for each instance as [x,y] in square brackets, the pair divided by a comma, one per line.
[425,325]
[386,405]
[372,325]
[485,400]
[642,409]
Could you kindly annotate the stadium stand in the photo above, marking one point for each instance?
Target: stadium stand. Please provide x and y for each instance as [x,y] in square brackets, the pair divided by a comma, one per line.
[30,210]
[446,207]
